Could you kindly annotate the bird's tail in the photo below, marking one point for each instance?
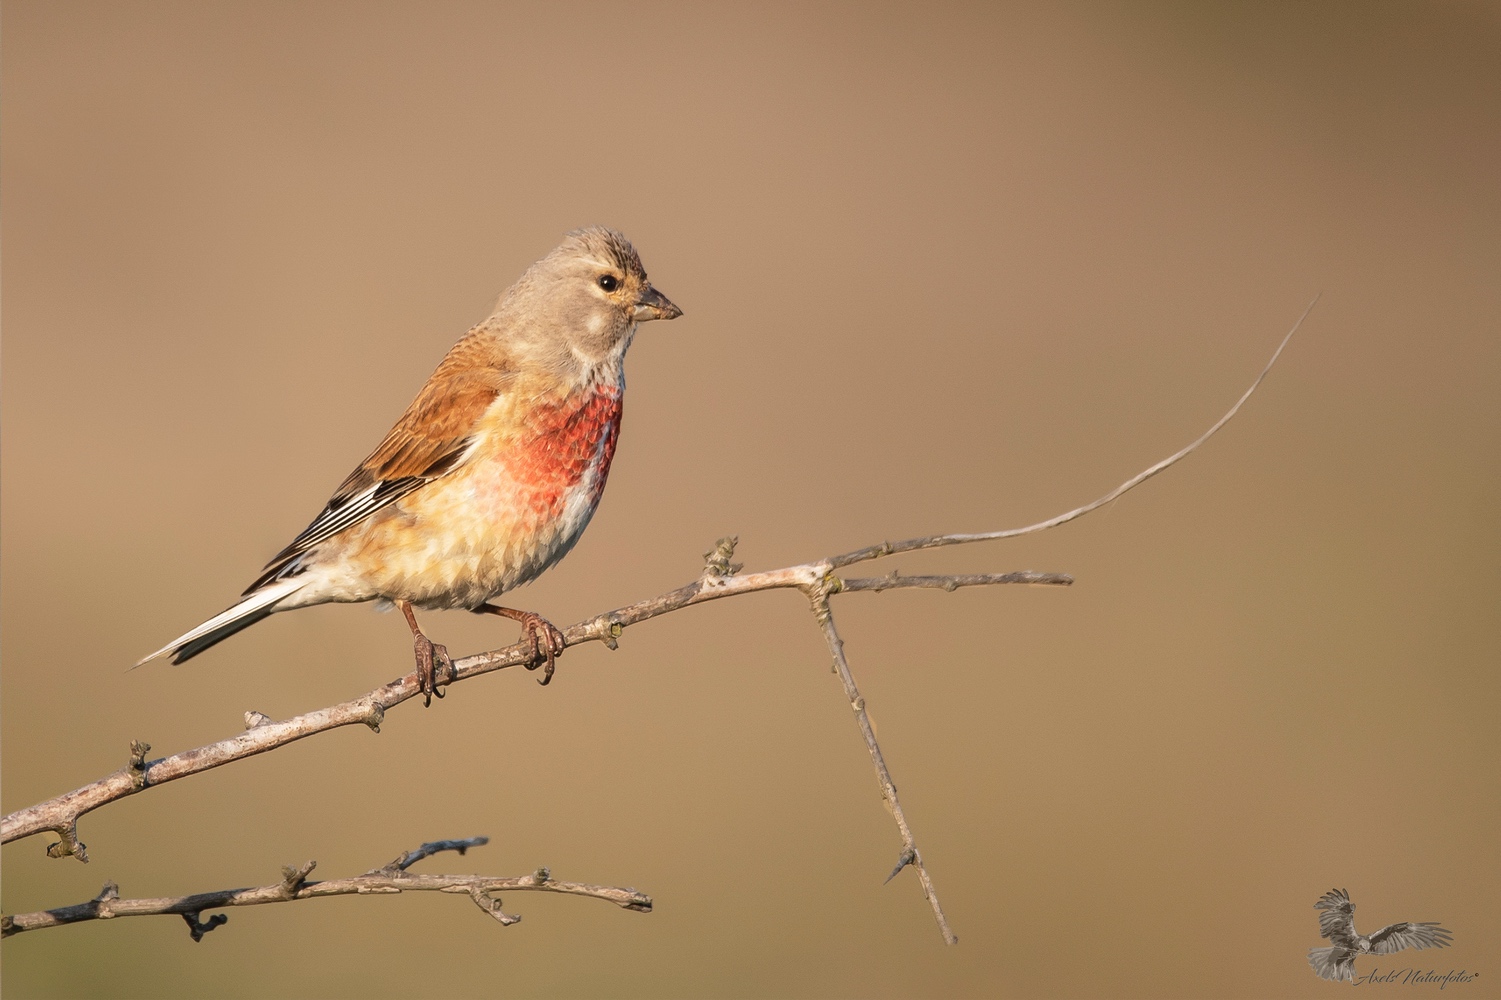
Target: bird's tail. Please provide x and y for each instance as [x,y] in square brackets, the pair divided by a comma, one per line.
[251,609]
[1329,967]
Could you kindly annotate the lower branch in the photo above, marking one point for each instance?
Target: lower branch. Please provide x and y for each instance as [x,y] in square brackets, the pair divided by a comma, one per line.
[393,878]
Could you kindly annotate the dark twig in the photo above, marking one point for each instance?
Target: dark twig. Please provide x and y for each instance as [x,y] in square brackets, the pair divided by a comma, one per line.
[427,850]
[197,928]
[393,878]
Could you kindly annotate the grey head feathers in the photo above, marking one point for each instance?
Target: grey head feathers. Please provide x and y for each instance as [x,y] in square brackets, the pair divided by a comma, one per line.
[605,245]
[574,312]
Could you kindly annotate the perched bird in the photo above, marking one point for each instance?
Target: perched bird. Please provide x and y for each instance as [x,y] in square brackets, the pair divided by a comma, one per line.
[491,474]
[1337,923]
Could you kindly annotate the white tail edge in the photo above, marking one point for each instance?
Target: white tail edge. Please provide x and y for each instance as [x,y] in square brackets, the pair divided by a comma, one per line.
[253,605]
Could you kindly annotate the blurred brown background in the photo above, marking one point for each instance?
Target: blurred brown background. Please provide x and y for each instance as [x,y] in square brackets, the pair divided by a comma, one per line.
[944,267]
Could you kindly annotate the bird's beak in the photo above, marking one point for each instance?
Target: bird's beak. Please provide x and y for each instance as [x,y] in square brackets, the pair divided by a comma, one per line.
[654,305]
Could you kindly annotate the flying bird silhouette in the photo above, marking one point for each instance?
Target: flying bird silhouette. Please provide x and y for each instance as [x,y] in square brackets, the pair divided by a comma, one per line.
[1337,923]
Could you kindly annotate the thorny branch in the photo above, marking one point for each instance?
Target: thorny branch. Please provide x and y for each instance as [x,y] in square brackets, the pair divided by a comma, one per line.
[61,814]
[910,854]
[294,885]
[720,579]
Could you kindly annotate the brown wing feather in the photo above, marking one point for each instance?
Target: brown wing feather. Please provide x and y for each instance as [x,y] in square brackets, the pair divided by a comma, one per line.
[431,434]
[427,442]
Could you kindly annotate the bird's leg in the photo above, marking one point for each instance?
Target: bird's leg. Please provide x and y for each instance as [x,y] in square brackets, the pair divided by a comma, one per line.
[547,642]
[429,655]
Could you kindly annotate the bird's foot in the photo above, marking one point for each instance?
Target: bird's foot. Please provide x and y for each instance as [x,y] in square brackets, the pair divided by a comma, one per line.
[430,656]
[546,639]
[547,643]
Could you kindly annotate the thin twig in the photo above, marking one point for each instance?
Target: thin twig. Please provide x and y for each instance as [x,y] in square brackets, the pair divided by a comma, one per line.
[409,858]
[894,581]
[910,854]
[393,878]
[938,541]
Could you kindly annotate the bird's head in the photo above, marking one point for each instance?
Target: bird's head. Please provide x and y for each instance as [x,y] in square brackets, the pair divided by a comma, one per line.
[579,306]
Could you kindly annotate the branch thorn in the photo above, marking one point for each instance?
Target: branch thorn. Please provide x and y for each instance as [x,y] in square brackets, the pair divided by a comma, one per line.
[908,856]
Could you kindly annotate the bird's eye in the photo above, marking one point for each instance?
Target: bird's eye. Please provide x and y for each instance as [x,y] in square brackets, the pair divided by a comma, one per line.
[608,282]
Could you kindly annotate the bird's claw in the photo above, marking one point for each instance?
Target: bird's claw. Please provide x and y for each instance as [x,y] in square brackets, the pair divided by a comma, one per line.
[430,655]
[547,644]
[547,641]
